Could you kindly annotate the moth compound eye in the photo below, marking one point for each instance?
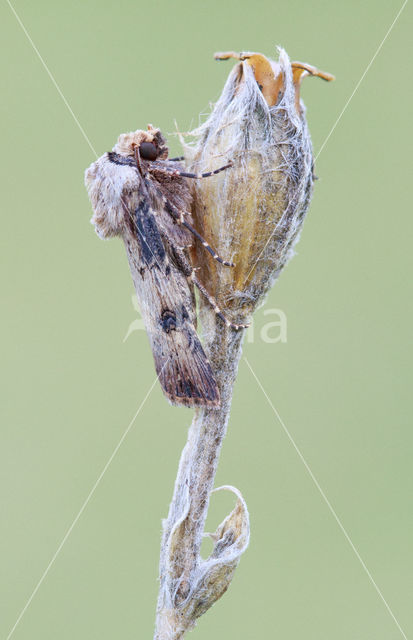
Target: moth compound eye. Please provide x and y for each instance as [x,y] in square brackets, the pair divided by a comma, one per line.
[148,151]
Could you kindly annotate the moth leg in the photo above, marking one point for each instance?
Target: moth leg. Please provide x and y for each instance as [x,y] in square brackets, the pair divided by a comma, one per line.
[185,174]
[178,216]
[187,269]
[178,159]
[206,245]
[214,305]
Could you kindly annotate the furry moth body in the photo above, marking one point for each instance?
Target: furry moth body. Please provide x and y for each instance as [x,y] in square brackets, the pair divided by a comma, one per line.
[140,195]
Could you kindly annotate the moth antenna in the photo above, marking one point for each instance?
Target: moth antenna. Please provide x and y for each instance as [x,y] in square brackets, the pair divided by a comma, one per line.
[184,174]
[138,160]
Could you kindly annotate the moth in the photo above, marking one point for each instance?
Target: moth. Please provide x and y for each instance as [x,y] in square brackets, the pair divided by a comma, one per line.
[140,194]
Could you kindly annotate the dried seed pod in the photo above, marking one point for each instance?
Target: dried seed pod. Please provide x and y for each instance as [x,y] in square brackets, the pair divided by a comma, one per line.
[253,212]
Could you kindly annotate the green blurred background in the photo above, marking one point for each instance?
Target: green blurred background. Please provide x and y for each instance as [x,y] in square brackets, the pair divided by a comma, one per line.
[70,385]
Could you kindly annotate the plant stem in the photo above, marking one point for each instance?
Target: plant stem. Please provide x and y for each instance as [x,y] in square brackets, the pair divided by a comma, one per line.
[194,483]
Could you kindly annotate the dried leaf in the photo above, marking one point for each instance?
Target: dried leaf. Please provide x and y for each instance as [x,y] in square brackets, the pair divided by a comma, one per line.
[214,574]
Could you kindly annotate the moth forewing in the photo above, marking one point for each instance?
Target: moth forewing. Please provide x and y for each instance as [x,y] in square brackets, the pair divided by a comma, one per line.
[167,308]
[130,203]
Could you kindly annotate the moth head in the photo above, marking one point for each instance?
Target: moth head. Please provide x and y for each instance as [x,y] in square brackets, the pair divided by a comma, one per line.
[151,144]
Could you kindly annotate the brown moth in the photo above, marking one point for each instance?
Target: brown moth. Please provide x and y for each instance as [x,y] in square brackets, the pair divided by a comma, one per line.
[139,194]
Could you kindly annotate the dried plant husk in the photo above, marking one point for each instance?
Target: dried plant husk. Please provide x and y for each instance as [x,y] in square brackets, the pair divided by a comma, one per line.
[186,596]
[253,212]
